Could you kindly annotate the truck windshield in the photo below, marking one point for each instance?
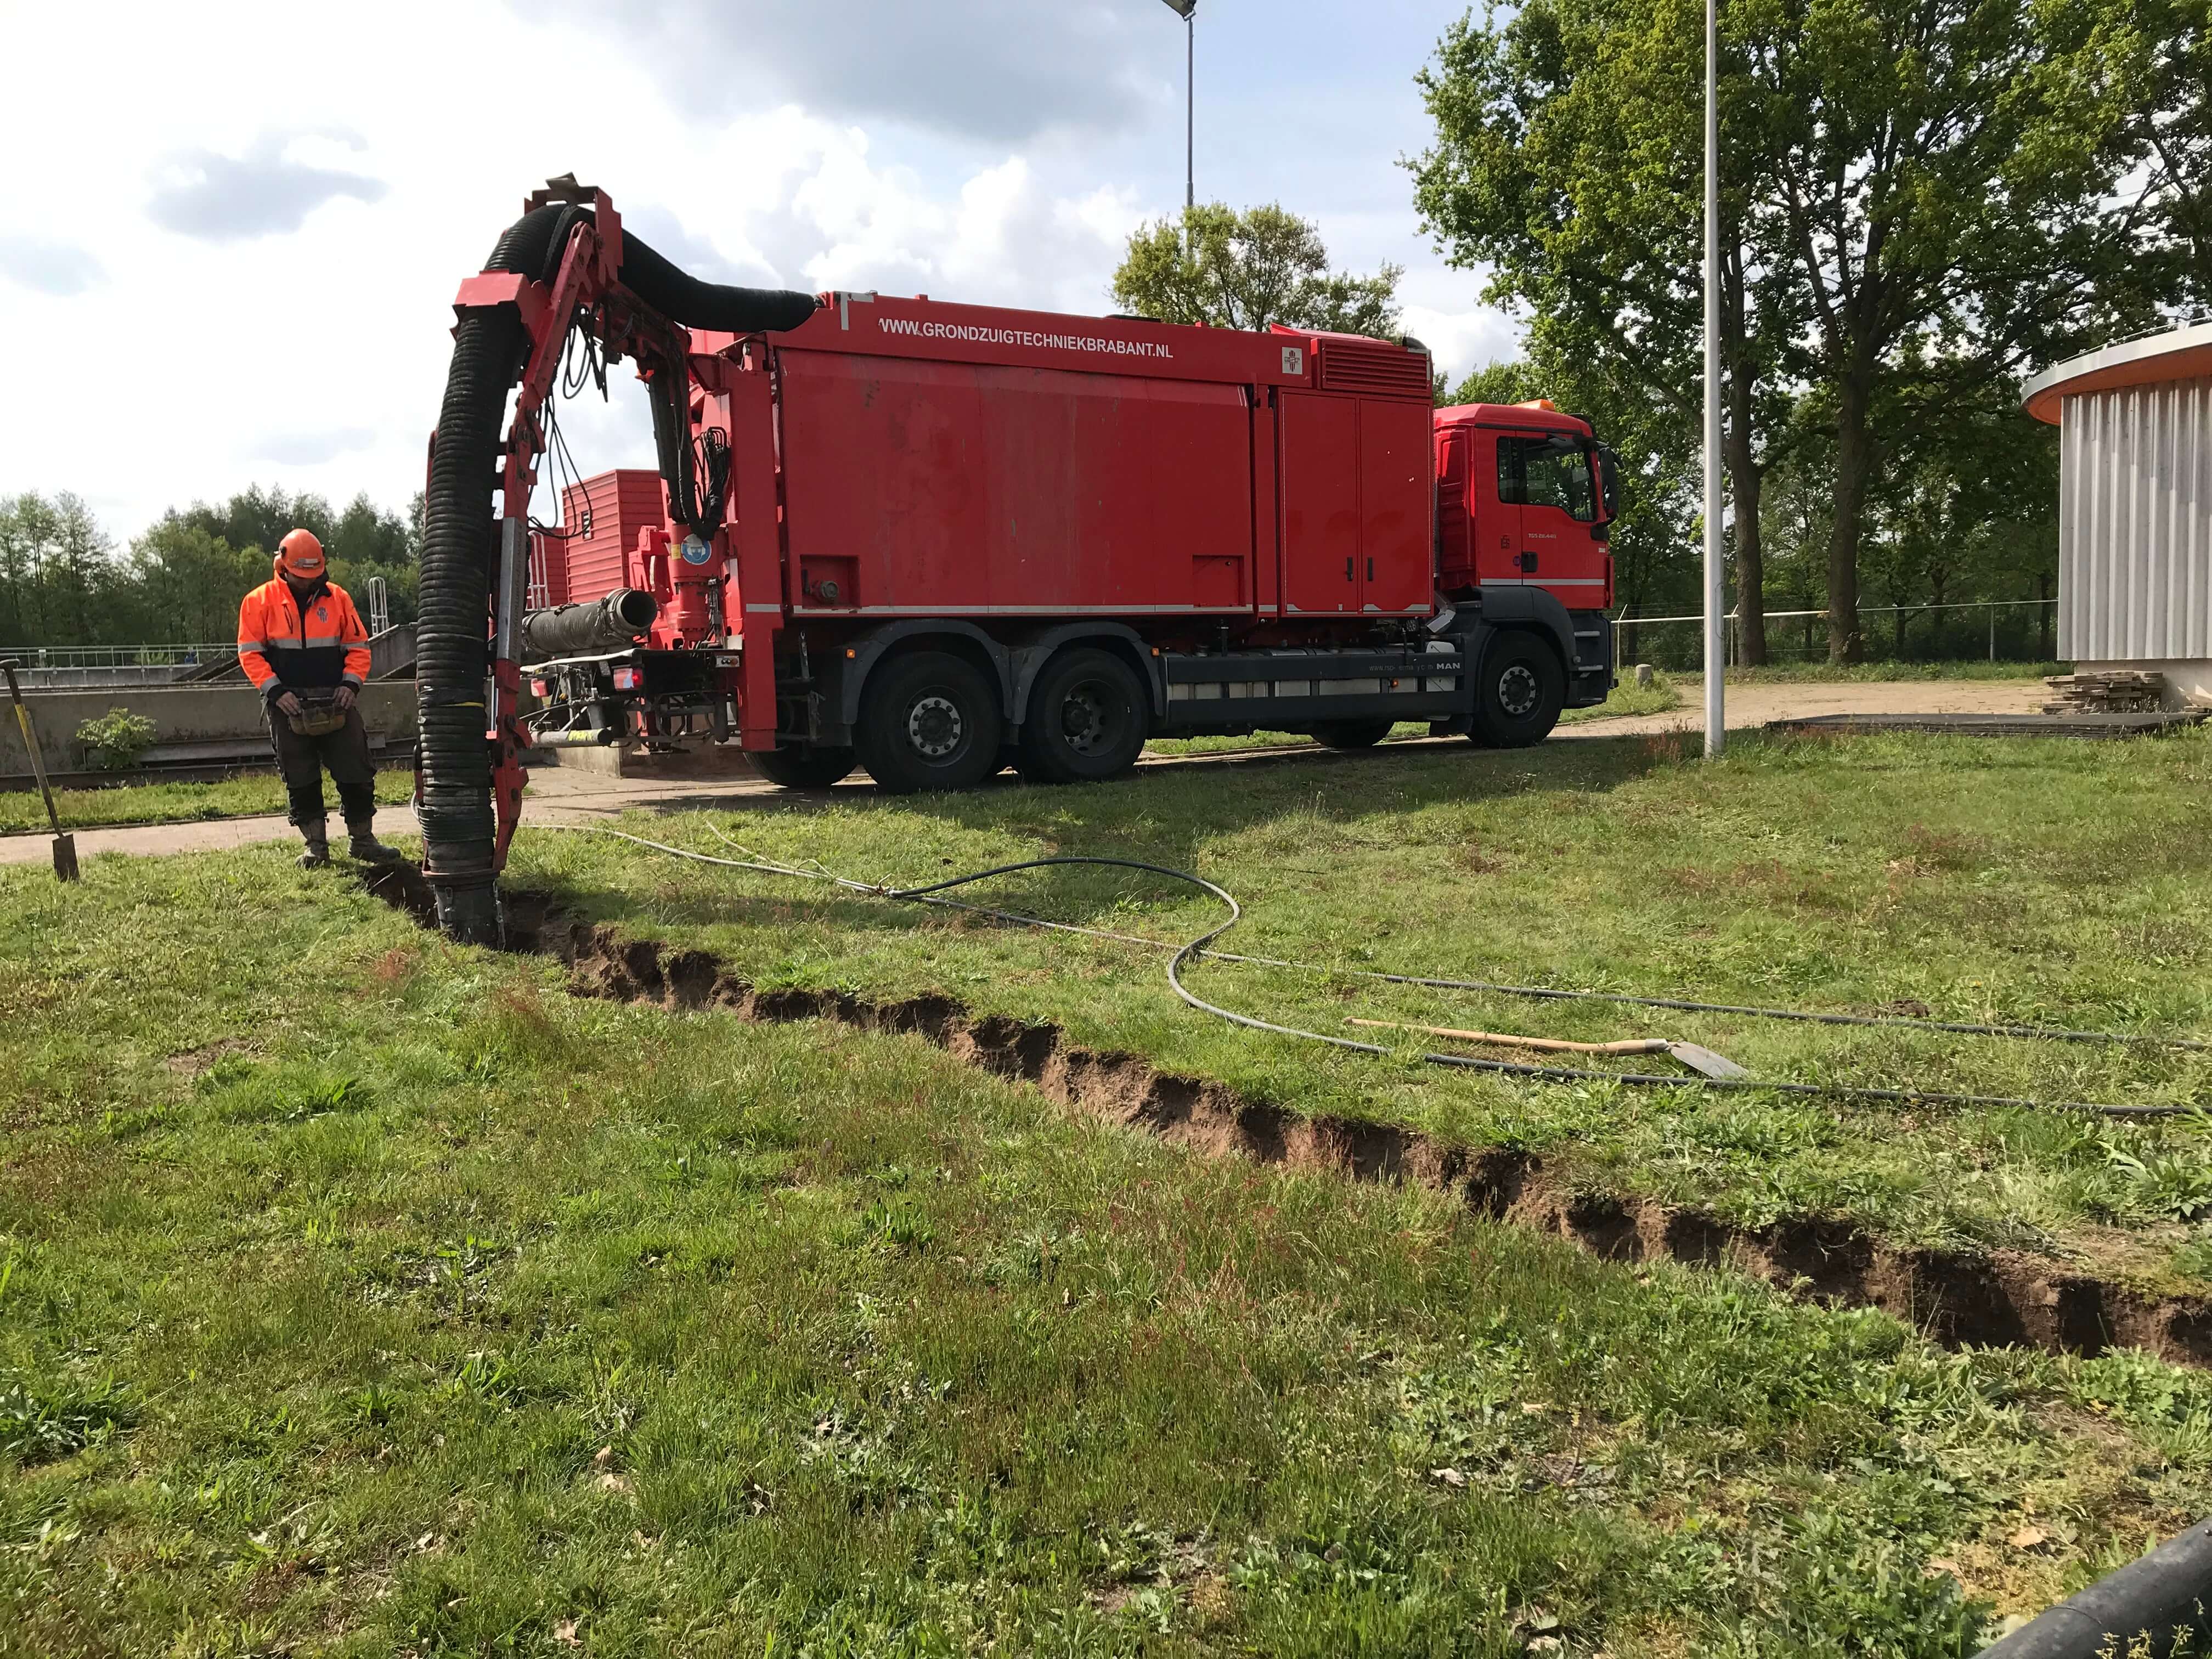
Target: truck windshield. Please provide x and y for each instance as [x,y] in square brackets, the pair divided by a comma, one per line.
[1547,472]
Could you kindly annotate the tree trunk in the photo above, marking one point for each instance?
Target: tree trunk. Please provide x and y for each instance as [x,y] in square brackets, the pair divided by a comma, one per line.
[1741,460]
[1854,467]
[1744,482]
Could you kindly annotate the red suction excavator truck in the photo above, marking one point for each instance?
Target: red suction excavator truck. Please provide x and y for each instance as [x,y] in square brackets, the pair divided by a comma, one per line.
[935,540]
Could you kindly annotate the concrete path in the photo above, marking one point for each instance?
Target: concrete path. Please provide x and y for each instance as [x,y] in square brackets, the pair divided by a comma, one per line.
[557,795]
[1755,705]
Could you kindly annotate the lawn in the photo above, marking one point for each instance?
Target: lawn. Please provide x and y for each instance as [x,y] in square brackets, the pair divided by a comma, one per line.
[2043,882]
[367,1295]
[242,796]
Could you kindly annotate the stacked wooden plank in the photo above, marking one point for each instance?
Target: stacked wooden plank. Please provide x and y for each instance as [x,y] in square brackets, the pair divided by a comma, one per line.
[2112,691]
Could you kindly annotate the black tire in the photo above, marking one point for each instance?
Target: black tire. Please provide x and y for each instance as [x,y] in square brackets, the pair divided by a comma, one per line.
[1088,719]
[1352,734]
[1519,692]
[928,721]
[792,767]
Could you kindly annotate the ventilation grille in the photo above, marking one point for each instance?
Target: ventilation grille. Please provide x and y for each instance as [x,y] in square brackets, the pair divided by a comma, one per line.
[1385,371]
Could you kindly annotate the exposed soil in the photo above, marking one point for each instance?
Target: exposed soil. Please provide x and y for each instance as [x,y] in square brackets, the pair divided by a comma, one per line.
[1956,1297]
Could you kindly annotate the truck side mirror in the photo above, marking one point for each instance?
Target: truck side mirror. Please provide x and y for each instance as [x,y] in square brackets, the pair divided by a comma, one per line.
[1608,477]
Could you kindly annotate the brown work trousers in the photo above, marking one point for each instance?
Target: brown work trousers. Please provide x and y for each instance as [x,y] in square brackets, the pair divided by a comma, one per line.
[303,760]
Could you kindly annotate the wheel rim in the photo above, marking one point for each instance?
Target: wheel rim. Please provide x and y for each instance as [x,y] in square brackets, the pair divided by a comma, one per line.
[1087,719]
[933,725]
[1518,691]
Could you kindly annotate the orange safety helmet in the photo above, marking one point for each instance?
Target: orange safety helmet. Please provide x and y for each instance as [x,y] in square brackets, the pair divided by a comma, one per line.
[301,555]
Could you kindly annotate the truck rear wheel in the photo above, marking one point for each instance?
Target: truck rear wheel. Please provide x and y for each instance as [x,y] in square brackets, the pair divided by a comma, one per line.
[1352,734]
[1086,720]
[793,767]
[1519,692]
[929,721]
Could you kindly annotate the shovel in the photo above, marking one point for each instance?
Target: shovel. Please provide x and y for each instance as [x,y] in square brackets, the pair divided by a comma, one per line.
[64,846]
[1701,1059]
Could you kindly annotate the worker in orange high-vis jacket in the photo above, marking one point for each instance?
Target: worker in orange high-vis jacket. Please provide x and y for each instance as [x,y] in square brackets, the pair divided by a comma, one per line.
[302,644]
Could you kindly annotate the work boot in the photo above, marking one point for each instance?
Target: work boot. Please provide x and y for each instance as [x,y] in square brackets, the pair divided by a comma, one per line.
[318,846]
[361,843]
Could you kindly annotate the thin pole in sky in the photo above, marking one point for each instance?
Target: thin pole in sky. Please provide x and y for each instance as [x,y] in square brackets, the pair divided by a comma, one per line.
[1716,568]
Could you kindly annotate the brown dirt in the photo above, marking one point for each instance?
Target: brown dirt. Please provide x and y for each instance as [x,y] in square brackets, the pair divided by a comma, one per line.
[2001,1298]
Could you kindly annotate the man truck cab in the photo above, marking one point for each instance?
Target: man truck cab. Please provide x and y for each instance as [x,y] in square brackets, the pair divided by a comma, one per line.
[1525,501]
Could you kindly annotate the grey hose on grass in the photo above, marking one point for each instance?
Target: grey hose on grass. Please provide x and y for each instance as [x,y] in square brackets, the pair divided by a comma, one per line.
[932,893]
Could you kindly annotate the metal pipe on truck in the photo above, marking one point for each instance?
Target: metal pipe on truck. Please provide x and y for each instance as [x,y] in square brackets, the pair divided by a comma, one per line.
[603,624]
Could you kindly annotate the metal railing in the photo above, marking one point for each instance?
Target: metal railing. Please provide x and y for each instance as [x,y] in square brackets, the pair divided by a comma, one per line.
[1944,642]
[118,656]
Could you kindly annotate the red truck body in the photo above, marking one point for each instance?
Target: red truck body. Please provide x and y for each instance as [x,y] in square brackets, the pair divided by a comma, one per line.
[1267,530]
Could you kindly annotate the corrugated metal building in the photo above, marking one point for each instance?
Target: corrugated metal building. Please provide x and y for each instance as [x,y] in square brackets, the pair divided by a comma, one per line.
[2135,513]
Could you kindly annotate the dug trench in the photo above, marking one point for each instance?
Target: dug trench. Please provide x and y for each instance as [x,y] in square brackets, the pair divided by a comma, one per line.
[1997,1298]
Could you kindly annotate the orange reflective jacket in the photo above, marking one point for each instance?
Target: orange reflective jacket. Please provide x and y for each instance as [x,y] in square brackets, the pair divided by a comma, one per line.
[284,646]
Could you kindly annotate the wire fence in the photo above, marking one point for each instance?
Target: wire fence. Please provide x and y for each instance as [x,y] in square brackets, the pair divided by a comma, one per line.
[1993,630]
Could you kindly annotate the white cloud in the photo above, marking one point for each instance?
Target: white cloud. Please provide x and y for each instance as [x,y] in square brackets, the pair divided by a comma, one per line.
[270,190]
[297,331]
[47,267]
[239,268]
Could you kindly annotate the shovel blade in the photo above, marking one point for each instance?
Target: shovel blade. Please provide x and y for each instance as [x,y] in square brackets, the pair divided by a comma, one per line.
[1705,1062]
[65,857]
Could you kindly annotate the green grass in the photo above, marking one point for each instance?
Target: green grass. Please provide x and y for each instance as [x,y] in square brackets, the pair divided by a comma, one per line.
[1661,697]
[360,1294]
[243,796]
[2034,881]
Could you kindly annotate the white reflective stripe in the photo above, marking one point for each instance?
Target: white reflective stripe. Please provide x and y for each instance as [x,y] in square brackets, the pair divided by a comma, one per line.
[764,610]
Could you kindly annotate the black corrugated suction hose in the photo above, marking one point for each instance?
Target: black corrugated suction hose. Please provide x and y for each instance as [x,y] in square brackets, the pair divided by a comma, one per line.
[2156,1604]
[453,656]
[682,298]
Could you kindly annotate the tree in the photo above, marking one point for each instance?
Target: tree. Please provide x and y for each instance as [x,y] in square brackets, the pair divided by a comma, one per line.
[193,582]
[59,578]
[1907,191]
[1569,163]
[1230,270]
[2144,67]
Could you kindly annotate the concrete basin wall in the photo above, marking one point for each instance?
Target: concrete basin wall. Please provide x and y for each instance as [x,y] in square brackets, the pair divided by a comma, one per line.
[182,714]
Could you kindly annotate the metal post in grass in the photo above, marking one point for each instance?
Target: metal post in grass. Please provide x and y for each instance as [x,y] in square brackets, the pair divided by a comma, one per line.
[1715,575]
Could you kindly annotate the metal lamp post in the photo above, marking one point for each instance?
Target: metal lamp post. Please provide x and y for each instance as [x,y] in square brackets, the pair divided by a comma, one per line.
[1716,567]
[1188,10]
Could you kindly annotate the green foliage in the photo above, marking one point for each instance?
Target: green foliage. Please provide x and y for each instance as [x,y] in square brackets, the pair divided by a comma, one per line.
[1248,270]
[116,738]
[61,581]
[1913,204]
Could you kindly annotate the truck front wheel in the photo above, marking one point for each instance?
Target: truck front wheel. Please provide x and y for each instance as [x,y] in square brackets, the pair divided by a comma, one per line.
[928,721]
[1519,693]
[1086,720]
[792,767]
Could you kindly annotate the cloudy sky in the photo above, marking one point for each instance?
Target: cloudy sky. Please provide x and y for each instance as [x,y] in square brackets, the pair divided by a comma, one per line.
[234,231]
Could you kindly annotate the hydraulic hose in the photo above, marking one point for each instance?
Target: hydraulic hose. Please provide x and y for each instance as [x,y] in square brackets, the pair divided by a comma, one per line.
[452,655]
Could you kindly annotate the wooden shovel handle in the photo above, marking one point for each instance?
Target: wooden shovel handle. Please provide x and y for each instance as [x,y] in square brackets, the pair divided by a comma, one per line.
[1503,1040]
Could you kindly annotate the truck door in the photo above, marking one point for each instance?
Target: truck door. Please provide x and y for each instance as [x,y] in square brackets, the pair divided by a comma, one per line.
[1319,483]
[1495,472]
[1548,479]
